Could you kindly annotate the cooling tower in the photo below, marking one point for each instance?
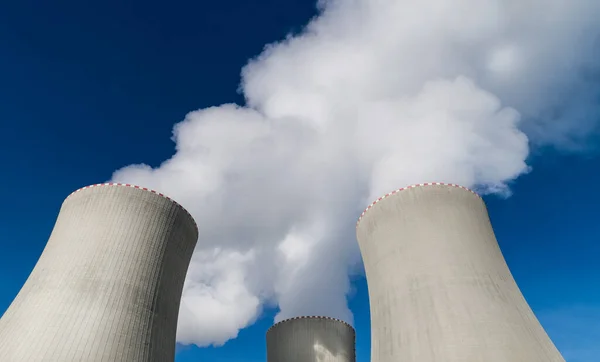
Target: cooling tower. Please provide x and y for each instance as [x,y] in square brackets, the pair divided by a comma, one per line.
[439,287]
[311,339]
[108,284]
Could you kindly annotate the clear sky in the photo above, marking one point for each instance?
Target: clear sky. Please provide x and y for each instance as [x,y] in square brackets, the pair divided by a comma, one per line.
[88,89]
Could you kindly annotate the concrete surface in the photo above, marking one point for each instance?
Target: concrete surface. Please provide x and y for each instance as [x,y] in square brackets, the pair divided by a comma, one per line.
[108,284]
[439,287]
[311,339]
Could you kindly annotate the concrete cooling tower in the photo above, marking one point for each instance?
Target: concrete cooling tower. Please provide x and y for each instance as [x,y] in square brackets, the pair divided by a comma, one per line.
[439,287]
[108,284]
[311,339]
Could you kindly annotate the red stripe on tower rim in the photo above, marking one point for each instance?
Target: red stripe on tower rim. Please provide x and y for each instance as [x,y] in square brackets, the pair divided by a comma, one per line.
[410,187]
[312,317]
[139,188]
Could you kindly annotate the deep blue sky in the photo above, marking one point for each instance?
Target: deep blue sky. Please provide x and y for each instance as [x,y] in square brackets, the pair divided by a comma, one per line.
[85,90]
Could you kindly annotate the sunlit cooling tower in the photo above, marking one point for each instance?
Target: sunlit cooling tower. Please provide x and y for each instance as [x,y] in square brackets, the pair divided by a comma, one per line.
[108,284]
[439,287]
[311,339]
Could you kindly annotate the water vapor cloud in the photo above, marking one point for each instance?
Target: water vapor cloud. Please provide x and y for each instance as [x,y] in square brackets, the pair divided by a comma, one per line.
[373,95]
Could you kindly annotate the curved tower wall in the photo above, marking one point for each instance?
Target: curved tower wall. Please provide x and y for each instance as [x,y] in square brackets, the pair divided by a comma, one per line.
[108,284]
[439,287]
[311,339]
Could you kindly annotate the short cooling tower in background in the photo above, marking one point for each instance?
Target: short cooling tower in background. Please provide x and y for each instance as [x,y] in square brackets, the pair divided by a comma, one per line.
[311,339]
[439,287]
[107,287]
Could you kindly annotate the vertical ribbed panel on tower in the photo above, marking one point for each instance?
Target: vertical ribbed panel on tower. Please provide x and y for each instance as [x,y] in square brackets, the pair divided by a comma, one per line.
[311,339]
[108,284]
[439,287]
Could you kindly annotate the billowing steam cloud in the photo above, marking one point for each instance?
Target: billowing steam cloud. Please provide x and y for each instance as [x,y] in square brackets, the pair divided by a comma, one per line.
[373,95]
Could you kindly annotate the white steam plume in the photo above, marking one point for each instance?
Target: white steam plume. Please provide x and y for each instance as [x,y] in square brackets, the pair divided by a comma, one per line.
[373,95]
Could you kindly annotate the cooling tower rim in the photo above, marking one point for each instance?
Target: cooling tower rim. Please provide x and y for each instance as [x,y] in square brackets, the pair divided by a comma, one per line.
[139,188]
[411,187]
[312,317]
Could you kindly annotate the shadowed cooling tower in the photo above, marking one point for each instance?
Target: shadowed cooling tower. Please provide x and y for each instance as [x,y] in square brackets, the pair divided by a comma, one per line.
[439,287]
[108,284]
[311,339]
